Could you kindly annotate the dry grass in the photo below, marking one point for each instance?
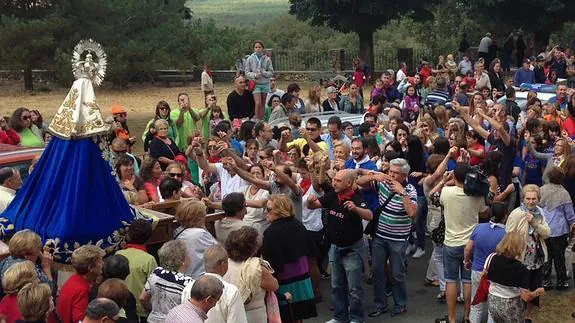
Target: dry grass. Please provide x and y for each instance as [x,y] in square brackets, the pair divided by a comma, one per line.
[556,307]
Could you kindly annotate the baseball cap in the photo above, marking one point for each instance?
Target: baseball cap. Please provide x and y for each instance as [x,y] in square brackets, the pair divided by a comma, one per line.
[118,108]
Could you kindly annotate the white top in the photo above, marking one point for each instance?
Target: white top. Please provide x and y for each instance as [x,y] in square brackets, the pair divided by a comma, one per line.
[461,213]
[400,76]
[6,196]
[311,218]
[255,217]
[229,309]
[207,84]
[277,92]
[504,291]
[229,184]
[197,240]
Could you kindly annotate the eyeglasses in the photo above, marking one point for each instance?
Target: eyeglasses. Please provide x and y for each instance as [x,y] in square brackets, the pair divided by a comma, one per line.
[176,174]
[212,147]
[164,108]
[311,129]
[26,117]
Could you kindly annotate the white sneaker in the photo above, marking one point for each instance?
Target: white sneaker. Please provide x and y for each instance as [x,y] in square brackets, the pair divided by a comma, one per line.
[418,253]
[333,321]
[410,249]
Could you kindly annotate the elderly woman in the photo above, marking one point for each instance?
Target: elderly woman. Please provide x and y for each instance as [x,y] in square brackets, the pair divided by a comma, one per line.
[510,281]
[286,246]
[162,147]
[21,122]
[74,296]
[27,245]
[562,150]
[191,216]
[163,289]
[341,152]
[528,220]
[151,174]
[250,274]
[13,280]
[132,186]
[558,211]
[35,303]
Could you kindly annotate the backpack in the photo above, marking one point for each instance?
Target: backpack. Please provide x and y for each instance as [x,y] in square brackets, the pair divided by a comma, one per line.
[476,183]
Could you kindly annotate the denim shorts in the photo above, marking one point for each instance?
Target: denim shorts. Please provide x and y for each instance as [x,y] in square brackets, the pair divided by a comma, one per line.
[453,265]
[262,88]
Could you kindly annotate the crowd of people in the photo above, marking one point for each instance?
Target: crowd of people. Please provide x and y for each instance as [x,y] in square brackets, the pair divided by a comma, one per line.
[438,156]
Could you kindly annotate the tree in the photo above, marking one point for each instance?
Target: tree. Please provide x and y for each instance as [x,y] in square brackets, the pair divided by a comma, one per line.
[363,17]
[27,29]
[541,17]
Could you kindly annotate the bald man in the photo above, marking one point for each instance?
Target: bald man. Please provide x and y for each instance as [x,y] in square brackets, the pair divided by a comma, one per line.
[346,210]
[240,102]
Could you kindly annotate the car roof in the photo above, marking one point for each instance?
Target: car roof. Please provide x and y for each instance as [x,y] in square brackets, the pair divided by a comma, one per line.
[355,119]
[11,153]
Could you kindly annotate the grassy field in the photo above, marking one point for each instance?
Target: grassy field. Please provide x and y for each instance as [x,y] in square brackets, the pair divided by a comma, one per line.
[239,12]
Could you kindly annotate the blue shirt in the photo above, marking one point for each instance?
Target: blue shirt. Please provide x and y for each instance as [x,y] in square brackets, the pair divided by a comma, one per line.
[553,100]
[486,237]
[523,76]
[327,138]
[370,196]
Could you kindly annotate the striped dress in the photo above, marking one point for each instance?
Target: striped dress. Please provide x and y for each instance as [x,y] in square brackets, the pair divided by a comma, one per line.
[394,223]
[286,246]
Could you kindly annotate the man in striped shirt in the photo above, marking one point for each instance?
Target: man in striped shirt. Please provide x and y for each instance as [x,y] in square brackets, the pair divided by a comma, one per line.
[398,206]
[440,95]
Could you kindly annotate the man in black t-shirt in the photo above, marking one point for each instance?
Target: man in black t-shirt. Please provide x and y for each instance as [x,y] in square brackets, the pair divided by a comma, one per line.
[346,209]
[240,102]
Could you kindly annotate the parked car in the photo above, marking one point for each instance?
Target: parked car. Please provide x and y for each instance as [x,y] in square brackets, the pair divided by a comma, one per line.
[521,98]
[18,157]
[355,119]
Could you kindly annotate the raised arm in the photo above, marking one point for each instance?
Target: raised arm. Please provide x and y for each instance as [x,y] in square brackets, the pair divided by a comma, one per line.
[464,112]
[538,155]
[312,144]
[250,178]
[498,126]
[194,115]
[284,178]
[203,163]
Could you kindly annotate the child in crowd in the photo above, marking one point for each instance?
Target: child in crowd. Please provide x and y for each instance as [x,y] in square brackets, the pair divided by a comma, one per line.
[216,117]
[377,89]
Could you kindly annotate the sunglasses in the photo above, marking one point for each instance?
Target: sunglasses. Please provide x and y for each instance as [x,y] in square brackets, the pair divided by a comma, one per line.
[212,147]
[121,114]
[164,108]
[176,174]
[120,151]
[311,129]
[26,117]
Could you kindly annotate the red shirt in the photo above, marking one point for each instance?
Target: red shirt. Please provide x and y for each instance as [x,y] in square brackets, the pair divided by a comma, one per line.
[9,308]
[73,300]
[569,126]
[474,160]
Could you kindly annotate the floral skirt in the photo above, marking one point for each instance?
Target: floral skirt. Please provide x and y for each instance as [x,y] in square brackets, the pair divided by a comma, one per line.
[506,310]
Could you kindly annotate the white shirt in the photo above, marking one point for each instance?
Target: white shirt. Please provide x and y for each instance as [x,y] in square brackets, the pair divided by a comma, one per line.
[311,218]
[6,196]
[229,309]
[230,184]
[400,76]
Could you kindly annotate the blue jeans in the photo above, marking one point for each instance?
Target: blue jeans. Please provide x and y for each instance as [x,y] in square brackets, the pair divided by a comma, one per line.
[421,221]
[453,265]
[383,250]
[346,281]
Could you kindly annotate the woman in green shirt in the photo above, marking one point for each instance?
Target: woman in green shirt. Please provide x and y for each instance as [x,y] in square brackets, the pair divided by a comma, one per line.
[162,112]
[21,122]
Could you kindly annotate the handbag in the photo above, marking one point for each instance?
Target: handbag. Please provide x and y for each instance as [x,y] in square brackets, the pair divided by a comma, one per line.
[371,227]
[251,85]
[273,308]
[438,234]
[483,288]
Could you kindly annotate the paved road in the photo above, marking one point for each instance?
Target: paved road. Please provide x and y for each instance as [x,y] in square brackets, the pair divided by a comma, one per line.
[421,304]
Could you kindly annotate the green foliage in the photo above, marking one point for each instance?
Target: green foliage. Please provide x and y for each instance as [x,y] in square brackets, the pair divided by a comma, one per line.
[239,13]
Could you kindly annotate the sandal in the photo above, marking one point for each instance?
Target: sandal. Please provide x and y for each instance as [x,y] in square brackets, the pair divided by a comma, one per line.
[440,297]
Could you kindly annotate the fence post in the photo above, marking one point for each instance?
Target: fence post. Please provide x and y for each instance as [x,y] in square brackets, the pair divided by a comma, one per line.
[270,53]
[336,59]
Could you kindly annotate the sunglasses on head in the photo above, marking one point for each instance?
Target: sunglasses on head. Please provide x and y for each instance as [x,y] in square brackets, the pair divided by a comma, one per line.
[175,174]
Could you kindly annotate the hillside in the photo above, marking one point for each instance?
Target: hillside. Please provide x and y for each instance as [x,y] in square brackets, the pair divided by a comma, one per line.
[239,12]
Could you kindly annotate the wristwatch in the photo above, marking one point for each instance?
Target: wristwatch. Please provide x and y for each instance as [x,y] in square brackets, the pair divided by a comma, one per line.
[403,194]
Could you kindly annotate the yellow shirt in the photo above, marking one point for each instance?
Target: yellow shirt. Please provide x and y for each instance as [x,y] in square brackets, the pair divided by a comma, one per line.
[301,143]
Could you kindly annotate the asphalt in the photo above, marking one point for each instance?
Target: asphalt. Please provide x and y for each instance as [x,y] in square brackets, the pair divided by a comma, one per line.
[421,304]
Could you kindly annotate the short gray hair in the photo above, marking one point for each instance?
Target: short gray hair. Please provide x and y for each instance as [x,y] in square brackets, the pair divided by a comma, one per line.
[172,255]
[401,163]
[214,256]
[174,165]
[102,307]
[160,122]
[206,286]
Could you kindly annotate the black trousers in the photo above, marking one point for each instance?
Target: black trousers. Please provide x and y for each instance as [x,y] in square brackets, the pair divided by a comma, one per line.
[556,253]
